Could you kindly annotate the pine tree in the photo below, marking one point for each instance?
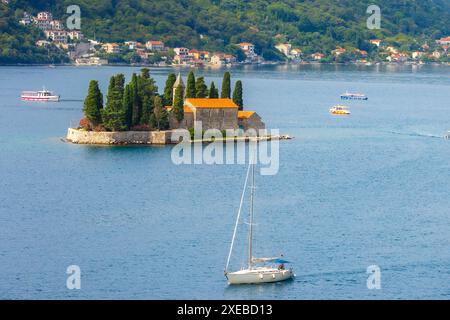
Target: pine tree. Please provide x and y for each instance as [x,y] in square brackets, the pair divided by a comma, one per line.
[159,118]
[237,95]
[201,88]
[168,89]
[213,92]
[226,86]
[93,104]
[190,86]
[178,103]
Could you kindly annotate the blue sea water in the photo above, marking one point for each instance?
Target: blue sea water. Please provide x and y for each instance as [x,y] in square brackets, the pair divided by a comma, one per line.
[368,189]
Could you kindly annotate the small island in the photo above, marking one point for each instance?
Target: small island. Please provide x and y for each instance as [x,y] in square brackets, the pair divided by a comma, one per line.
[135,113]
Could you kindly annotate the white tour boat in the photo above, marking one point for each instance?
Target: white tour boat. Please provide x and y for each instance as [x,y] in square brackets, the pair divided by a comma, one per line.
[354,96]
[257,270]
[42,95]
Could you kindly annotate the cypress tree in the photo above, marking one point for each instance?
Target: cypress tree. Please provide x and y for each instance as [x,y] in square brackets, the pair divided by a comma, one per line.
[145,73]
[135,100]
[201,88]
[178,103]
[93,104]
[213,92]
[190,86]
[237,95]
[168,89]
[226,86]
[127,106]
[113,114]
[159,118]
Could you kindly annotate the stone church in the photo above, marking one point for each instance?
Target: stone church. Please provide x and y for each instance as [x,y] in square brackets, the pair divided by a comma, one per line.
[218,114]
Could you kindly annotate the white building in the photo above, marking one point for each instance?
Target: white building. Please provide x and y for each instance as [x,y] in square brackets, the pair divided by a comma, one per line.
[155,46]
[58,36]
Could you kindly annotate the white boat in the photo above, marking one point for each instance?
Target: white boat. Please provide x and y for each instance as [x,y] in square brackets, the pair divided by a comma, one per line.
[257,270]
[353,96]
[42,95]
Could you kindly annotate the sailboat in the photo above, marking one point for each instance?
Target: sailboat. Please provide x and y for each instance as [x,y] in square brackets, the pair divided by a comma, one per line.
[258,270]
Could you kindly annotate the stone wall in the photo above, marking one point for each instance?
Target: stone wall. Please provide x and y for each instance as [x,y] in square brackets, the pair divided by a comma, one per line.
[254,122]
[216,118]
[123,137]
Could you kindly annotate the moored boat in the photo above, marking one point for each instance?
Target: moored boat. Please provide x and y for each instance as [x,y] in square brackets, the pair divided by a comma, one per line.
[339,110]
[42,95]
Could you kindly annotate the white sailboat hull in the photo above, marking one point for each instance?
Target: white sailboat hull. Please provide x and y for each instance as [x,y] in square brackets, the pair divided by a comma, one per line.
[259,275]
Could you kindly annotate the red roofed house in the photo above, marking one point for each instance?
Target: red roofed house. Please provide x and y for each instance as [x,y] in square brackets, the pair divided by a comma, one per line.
[155,46]
[444,41]
[220,114]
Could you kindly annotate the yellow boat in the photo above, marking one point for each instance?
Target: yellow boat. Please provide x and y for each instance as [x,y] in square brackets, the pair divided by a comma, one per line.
[339,110]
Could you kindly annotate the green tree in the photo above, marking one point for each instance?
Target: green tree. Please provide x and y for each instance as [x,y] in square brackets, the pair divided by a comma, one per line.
[201,88]
[213,92]
[226,86]
[145,73]
[93,104]
[178,104]
[190,85]
[128,106]
[113,114]
[135,100]
[237,95]
[168,89]
[159,118]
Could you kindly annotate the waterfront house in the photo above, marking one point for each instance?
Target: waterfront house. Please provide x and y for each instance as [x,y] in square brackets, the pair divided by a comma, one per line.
[284,48]
[317,56]
[220,59]
[111,48]
[338,51]
[436,54]
[417,54]
[155,46]
[181,51]
[248,48]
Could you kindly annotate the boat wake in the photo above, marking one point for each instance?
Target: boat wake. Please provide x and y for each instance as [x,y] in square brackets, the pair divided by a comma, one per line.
[417,134]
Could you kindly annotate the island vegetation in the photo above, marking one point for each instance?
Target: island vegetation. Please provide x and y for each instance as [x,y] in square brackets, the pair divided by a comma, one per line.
[137,105]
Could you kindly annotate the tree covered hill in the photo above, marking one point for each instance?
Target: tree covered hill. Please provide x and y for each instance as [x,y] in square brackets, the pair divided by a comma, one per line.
[313,25]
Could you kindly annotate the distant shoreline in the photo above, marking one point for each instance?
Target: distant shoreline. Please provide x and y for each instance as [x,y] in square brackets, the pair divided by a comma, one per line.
[369,64]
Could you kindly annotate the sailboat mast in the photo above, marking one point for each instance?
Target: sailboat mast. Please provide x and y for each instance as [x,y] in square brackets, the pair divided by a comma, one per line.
[250,233]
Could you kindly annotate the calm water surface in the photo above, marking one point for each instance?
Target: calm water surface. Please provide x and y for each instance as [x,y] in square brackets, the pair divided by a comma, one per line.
[371,188]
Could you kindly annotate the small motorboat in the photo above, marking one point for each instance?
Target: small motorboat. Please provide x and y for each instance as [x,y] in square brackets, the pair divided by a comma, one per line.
[42,95]
[339,110]
[447,136]
[353,96]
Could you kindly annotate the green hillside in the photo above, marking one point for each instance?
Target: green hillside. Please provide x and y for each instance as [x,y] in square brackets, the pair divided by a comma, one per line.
[313,25]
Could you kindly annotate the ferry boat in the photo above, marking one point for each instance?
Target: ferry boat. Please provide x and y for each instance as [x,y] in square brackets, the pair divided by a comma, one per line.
[339,110]
[42,95]
[354,96]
